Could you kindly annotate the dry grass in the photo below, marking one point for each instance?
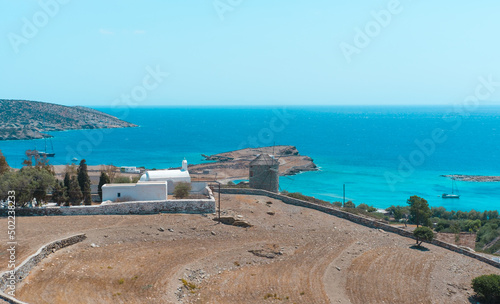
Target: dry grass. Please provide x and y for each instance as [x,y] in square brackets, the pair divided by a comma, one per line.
[323,259]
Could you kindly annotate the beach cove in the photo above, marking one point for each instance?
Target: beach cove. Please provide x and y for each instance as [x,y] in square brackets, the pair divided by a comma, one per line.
[356,146]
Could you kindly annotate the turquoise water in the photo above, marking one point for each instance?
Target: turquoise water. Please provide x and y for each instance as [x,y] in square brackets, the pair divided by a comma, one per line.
[382,154]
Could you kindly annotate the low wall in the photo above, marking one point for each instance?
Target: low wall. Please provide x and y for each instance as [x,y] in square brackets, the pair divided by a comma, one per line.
[143,207]
[365,221]
[23,270]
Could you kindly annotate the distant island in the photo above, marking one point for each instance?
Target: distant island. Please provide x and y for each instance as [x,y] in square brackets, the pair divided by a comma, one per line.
[24,119]
[473,178]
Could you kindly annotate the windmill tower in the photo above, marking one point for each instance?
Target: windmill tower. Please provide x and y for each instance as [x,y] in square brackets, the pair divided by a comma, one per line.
[263,173]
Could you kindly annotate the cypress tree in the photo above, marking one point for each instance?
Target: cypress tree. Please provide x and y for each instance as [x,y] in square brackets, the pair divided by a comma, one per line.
[66,181]
[84,182]
[103,179]
[74,192]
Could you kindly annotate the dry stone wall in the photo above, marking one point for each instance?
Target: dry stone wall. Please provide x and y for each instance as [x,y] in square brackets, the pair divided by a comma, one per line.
[23,270]
[369,222]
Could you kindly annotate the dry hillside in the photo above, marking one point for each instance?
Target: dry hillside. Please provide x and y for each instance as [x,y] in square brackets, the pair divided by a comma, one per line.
[290,255]
[22,119]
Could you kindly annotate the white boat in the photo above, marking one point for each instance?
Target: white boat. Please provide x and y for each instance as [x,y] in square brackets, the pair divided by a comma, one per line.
[452,195]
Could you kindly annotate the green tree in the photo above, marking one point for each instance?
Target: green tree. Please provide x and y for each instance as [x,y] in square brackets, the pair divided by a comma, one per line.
[487,287]
[423,234]
[103,179]
[60,194]
[492,214]
[74,192]
[419,211]
[28,183]
[363,207]
[4,166]
[67,179]
[181,190]
[472,226]
[84,182]
[349,204]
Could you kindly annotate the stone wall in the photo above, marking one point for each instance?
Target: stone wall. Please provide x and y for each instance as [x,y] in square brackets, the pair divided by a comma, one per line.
[143,207]
[365,221]
[23,270]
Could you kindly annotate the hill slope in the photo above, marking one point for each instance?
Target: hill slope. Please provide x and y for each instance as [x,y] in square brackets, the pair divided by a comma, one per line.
[22,119]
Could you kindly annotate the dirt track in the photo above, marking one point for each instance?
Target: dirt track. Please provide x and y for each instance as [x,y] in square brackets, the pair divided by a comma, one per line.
[312,258]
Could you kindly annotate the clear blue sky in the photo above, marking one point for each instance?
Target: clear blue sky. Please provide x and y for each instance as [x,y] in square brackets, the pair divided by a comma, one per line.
[262,52]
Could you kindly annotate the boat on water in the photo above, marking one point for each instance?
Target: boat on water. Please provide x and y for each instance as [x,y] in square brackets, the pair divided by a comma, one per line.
[45,153]
[453,190]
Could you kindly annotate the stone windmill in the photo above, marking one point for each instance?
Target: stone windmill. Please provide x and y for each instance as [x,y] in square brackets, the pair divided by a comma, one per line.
[263,173]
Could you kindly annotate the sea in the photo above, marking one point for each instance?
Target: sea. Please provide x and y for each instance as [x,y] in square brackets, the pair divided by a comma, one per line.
[381,154]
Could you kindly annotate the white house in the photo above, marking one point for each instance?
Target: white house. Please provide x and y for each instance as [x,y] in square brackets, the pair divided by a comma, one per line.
[172,177]
[129,170]
[153,191]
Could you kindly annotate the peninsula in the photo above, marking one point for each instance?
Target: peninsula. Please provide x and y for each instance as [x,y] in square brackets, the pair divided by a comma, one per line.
[234,165]
[23,119]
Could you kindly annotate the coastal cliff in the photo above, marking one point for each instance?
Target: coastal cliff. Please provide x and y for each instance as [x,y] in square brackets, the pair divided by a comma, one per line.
[23,119]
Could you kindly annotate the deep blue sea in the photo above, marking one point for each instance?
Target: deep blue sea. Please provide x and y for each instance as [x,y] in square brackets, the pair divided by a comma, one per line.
[382,154]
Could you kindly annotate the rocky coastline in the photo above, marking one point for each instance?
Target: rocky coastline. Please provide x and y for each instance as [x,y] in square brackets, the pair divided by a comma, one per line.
[473,178]
[235,164]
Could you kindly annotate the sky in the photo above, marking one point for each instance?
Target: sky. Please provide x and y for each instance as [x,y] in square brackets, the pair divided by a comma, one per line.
[248,52]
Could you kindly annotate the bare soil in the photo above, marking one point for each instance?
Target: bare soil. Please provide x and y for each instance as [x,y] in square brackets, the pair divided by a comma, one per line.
[464,239]
[297,255]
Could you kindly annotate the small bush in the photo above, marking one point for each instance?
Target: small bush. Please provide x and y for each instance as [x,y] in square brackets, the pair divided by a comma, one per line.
[423,234]
[182,190]
[122,180]
[487,287]
[349,204]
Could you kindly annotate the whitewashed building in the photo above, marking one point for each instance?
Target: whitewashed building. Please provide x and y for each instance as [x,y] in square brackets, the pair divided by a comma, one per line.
[171,177]
[130,170]
[153,185]
[154,191]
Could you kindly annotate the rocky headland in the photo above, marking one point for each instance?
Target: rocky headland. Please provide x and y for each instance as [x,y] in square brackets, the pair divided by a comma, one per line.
[23,119]
[235,164]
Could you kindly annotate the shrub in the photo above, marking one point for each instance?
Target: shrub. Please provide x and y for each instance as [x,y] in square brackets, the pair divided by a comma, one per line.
[122,180]
[349,204]
[423,234]
[487,287]
[182,190]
